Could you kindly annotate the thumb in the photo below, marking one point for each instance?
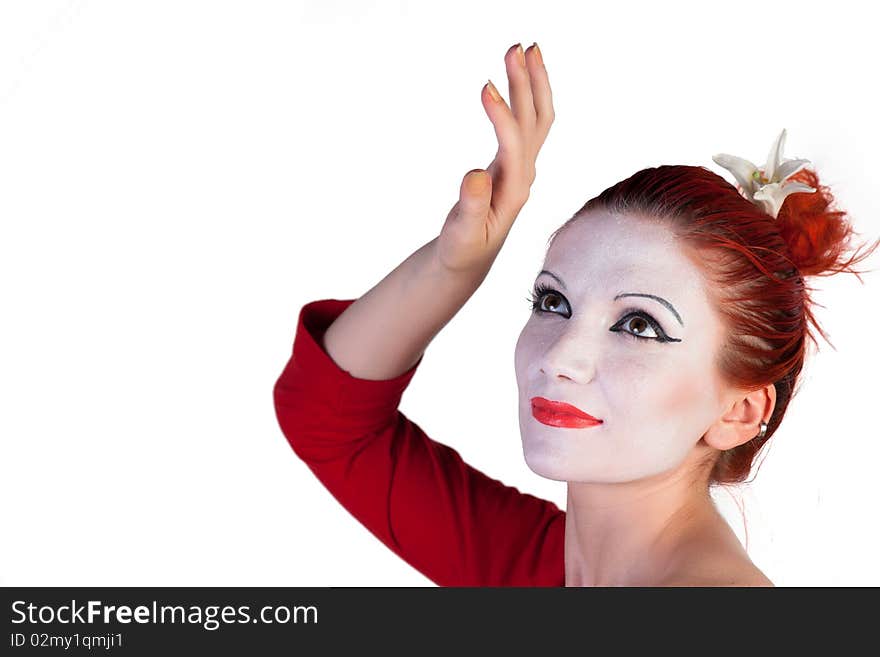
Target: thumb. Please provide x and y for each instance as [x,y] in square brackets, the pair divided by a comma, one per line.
[475,196]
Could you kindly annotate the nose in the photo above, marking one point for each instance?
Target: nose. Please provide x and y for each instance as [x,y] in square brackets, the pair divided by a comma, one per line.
[571,356]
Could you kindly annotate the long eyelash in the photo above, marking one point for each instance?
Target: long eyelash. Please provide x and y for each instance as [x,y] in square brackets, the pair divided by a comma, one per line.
[541,289]
[535,295]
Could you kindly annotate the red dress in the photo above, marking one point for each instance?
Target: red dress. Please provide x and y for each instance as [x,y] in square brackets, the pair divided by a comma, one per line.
[445,518]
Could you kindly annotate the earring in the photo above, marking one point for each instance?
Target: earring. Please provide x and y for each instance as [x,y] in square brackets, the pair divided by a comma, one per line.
[763,431]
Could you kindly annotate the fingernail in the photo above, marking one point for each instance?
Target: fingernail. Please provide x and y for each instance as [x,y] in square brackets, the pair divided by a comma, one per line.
[521,54]
[476,182]
[538,53]
[493,92]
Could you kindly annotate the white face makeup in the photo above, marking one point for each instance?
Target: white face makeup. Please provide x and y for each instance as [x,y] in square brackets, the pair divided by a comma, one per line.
[656,399]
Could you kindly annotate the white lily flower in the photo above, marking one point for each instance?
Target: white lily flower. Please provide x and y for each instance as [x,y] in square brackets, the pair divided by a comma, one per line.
[770,187]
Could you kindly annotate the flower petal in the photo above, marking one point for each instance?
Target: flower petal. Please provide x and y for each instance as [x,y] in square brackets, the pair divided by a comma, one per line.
[775,157]
[772,195]
[741,169]
[770,198]
[796,187]
[790,167]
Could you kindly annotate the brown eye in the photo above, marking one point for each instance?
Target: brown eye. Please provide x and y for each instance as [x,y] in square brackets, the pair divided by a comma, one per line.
[542,293]
[554,301]
[638,325]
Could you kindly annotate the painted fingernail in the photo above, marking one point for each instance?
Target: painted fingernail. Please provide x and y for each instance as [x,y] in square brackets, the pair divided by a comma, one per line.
[521,54]
[538,53]
[494,92]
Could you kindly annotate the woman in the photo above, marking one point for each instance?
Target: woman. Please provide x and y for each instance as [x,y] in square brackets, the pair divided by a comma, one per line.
[668,330]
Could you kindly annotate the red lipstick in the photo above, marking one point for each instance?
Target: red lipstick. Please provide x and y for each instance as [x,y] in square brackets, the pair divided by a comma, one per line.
[560,414]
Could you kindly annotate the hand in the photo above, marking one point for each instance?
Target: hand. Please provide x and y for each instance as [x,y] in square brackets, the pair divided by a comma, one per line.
[490,200]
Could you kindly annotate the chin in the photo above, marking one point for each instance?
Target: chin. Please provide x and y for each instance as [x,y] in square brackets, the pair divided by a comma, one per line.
[546,470]
[554,464]
[558,465]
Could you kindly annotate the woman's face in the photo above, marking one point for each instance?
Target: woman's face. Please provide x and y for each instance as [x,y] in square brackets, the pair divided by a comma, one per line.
[655,399]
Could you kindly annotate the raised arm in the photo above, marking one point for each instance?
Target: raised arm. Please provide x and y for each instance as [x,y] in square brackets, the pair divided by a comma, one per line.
[337,399]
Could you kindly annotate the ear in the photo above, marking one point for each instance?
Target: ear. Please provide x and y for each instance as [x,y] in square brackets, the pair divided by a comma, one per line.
[741,421]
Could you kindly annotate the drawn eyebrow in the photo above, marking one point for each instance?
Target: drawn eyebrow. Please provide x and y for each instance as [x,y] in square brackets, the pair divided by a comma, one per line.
[668,305]
[655,298]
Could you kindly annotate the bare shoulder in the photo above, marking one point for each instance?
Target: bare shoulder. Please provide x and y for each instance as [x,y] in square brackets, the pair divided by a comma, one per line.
[718,570]
[713,556]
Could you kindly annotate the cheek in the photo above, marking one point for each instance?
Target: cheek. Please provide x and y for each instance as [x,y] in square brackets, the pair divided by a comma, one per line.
[691,385]
[682,391]
[646,391]
[673,396]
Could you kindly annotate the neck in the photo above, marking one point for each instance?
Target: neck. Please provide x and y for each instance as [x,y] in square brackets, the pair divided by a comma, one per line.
[630,533]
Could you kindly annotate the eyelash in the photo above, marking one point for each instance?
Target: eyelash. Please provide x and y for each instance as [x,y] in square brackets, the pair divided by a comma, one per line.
[540,290]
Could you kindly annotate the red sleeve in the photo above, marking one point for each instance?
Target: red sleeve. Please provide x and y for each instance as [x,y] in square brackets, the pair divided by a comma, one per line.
[445,518]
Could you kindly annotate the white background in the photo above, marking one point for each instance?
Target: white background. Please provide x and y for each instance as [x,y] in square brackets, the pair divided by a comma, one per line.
[178,178]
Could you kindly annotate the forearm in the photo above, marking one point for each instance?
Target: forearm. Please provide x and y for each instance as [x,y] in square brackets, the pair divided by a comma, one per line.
[386,331]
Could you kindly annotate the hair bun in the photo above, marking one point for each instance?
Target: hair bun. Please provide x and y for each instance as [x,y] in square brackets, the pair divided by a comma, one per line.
[817,235]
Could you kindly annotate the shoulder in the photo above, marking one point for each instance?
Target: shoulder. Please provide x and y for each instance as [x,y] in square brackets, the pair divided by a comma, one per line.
[713,556]
[718,570]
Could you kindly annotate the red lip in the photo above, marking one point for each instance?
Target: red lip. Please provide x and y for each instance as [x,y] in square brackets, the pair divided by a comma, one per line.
[560,414]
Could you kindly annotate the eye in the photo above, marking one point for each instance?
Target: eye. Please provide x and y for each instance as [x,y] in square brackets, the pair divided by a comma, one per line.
[540,292]
[636,323]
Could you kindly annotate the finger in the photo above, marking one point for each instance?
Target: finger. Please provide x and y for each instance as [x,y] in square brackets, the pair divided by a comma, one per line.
[510,188]
[541,92]
[475,196]
[507,129]
[521,102]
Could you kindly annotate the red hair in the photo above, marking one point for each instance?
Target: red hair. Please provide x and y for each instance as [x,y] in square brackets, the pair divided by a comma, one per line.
[755,267]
